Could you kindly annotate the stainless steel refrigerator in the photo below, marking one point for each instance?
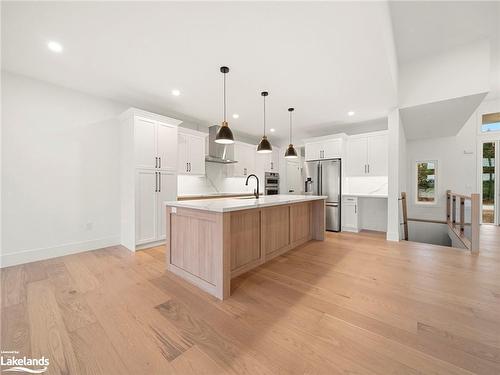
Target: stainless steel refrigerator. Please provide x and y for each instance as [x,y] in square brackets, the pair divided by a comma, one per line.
[324,178]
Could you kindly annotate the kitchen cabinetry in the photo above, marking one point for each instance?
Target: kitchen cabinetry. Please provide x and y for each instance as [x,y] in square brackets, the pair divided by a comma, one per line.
[350,222]
[269,162]
[367,155]
[191,152]
[148,175]
[324,149]
[154,144]
[244,153]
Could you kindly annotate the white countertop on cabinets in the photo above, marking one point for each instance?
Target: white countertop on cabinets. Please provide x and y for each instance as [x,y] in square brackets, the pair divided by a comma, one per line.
[245,203]
[363,195]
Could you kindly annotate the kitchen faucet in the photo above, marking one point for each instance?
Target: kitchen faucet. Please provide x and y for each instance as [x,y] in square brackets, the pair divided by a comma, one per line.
[255,191]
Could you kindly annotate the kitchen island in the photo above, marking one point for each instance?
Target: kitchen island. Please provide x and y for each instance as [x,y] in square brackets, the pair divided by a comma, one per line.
[211,241]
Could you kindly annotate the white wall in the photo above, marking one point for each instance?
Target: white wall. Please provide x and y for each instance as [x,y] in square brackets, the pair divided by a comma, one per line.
[395,134]
[459,72]
[60,154]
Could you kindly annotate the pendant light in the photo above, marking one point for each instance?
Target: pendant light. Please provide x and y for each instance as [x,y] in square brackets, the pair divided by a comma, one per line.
[291,153]
[264,145]
[224,135]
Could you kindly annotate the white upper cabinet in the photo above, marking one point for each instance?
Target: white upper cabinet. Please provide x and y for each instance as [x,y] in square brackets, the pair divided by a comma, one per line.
[367,155]
[155,144]
[324,149]
[191,152]
[245,154]
[145,143]
[378,154]
[356,157]
[268,162]
[166,135]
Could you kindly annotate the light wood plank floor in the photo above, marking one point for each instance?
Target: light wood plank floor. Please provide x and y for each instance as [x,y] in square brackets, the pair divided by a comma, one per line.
[353,304]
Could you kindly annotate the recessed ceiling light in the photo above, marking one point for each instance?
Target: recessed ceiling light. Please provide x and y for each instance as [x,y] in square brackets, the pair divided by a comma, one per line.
[176,92]
[272,130]
[351,113]
[235,115]
[54,46]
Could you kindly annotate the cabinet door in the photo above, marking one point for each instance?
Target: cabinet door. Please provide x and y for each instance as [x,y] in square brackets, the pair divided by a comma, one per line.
[146,207]
[145,143]
[378,155]
[245,155]
[182,153]
[196,155]
[167,146]
[356,157]
[332,149]
[313,151]
[349,216]
[250,154]
[167,191]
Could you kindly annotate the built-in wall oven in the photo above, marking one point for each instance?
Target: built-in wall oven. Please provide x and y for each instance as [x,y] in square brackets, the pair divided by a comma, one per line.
[272,183]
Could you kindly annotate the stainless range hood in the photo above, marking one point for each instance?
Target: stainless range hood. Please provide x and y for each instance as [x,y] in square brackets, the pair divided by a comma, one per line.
[218,153]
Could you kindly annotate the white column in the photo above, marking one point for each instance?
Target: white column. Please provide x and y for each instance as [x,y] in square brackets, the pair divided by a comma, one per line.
[393,203]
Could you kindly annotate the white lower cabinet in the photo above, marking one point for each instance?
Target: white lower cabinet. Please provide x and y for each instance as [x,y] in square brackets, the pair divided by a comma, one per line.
[146,207]
[350,221]
[152,189]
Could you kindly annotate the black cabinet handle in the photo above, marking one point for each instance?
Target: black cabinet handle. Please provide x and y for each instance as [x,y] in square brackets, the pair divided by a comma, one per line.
[156,182]
[159,165]
[156,162]
[159,182]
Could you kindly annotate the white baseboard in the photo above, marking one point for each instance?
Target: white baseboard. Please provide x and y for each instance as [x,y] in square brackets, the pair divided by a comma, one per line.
[33,255]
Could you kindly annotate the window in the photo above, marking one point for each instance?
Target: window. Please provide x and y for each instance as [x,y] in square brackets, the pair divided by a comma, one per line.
[426,181]
[490,122]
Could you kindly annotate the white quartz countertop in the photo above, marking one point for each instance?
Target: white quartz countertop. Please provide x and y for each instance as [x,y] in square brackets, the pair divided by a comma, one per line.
[244,203]
[365,195]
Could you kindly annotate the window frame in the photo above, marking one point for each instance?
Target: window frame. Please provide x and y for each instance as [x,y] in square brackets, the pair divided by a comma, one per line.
[436,182]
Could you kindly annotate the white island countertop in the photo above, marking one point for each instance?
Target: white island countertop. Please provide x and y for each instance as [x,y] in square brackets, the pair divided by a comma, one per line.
[244,203]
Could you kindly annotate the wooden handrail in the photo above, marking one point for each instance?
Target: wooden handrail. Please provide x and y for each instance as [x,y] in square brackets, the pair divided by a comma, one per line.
[457,225]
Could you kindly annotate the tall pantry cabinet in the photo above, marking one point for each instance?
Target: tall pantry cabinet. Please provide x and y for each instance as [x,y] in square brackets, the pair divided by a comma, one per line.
[148,175]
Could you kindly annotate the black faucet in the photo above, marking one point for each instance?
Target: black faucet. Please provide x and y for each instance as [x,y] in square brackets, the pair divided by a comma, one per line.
[255,191]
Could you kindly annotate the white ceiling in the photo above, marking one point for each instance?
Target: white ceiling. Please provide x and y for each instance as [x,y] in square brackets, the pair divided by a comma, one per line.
[439,119]
[322,58]
[425,28]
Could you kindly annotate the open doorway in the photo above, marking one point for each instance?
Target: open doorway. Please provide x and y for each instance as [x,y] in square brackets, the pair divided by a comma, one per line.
[489,168]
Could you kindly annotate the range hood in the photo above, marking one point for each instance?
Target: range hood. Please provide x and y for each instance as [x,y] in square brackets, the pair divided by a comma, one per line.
[218,153]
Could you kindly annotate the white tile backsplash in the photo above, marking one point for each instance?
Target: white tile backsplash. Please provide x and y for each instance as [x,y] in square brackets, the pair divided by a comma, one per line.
[365,185]
[215,181]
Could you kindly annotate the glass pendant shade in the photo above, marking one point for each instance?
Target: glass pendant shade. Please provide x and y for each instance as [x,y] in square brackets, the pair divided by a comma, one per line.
[291,153]
[224,135]
[264,146]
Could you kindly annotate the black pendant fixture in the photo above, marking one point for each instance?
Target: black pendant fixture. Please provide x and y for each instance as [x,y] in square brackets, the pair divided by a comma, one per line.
[224,135]
[291,153]
[264,145]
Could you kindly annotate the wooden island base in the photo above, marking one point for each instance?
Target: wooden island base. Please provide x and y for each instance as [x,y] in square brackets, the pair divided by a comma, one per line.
[209,248]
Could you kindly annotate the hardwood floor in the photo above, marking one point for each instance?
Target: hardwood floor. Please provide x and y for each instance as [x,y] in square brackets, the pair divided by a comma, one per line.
[352,304]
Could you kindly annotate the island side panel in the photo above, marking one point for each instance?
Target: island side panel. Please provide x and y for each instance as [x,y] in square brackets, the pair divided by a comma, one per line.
[195,248]
[300,223]
[318,220]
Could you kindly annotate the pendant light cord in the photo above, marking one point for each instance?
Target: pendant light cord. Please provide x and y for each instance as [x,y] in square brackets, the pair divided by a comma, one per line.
[290,127]
[264,115]
[224,97]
